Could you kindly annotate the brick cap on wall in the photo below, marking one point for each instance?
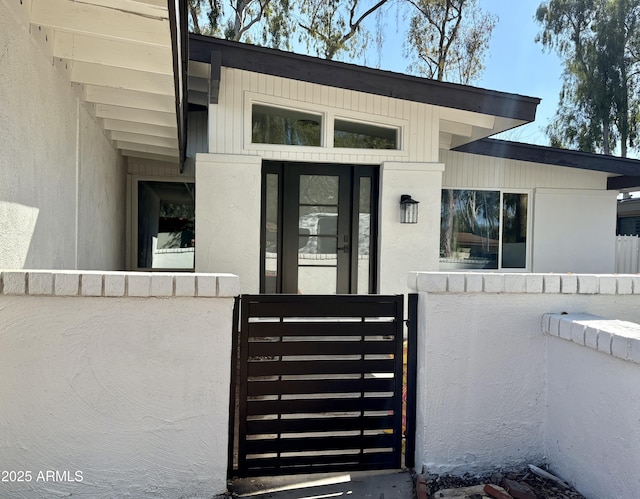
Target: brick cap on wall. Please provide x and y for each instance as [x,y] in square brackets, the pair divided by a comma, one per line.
[118,284]
[617,338]
[493,282]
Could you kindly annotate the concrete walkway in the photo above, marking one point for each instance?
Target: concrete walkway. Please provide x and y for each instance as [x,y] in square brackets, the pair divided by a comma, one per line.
[388,484]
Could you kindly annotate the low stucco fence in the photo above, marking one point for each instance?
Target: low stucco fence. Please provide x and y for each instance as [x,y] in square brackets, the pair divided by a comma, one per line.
[511,372]
[114,384]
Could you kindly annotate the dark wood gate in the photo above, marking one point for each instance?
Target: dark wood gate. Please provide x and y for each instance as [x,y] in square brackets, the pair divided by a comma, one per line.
[319,385]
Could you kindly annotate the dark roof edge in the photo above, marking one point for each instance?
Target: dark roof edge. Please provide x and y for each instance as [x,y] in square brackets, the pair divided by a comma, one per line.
[552,156]
[359,78]
[179,28]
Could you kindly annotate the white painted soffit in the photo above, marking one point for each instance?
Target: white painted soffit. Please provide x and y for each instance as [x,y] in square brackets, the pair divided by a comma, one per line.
[459,127]
[120,52]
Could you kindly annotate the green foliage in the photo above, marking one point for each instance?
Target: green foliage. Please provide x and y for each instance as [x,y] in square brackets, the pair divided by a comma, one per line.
[599,41]
[330,27]
[448,39]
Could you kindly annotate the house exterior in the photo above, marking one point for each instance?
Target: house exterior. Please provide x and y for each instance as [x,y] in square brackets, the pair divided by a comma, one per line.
[129,145]
[299,163]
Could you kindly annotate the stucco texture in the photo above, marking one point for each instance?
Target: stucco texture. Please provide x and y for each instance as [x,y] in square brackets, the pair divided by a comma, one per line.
[494,392]
[62,184]
[133,393]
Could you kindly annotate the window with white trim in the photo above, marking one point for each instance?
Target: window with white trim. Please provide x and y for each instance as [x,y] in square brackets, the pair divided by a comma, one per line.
[358,135]
[483,229]
[275,125]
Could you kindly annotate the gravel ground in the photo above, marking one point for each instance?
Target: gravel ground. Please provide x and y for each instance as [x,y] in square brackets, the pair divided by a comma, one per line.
[543,488]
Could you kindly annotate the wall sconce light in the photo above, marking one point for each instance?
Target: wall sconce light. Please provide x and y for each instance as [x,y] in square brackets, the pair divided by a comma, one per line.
[408,209]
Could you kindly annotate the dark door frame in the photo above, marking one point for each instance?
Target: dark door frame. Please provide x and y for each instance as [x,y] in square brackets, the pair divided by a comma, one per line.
[288,181]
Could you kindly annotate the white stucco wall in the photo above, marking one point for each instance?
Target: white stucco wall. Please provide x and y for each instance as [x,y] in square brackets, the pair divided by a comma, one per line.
[228,216]
[574,231]
[491,384]
[406,247]
[62,184]
[592,428]
[123,378]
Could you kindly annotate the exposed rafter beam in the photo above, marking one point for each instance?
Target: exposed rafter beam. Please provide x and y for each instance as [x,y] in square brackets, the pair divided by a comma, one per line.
[146,9]
[148,155]
[130,98]
[455,128]
[149,140]
[164,119]
[128,79]
[445,140]
[468,118]
[140,128]
[163,151]
[83,18]
[149,58]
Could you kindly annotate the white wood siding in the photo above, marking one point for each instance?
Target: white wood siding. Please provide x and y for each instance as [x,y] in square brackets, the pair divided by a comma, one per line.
[627,254]
[465,170]
[227,119]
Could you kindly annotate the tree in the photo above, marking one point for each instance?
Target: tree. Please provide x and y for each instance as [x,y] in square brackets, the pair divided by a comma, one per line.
[207,17]
[599,41]
[327,27]
[448,39]
[334,26]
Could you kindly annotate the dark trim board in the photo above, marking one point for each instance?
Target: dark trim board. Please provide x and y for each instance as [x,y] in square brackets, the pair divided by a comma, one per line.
[623,183]
[552,156]
[352,77]
[179,27]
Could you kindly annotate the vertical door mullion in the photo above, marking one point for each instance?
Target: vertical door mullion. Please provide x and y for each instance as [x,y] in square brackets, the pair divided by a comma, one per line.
[346,236]
[290,219]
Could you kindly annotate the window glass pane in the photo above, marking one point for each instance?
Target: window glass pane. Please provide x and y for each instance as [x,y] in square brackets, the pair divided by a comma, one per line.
[364,135]
[319,189]
[166,225]
[271,234]
[364,235]
[272,125]
[514,231]
[469,229]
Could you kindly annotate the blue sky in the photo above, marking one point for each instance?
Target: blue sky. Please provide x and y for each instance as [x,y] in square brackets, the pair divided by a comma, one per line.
[515,63]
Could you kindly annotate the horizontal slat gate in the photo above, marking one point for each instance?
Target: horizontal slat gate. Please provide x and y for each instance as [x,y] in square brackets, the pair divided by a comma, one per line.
[320,385]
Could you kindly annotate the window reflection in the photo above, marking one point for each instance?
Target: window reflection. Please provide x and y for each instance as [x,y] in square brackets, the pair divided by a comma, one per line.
[166,225]
[471,234]
[272,125]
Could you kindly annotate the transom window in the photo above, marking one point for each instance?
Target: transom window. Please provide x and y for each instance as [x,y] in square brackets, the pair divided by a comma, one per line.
[482,229]
[295,127]
[274,125]
[363,135]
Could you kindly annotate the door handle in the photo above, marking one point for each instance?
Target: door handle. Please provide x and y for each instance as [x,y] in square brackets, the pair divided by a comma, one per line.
[346,247]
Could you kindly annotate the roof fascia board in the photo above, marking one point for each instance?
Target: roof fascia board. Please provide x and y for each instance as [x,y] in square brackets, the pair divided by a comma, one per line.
[624,183]
[180,42]
[552,156]
[358,78]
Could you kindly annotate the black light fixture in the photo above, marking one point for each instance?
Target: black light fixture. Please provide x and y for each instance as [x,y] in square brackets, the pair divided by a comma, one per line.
[408,209]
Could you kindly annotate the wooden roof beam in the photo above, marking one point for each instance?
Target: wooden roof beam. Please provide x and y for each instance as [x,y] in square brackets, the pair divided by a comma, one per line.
[97,20]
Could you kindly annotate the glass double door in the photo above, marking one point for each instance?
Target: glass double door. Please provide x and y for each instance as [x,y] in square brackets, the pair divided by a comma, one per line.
[318,228]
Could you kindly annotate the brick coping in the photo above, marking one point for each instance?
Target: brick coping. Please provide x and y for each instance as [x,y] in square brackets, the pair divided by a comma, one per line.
[617,338]
[117,284]
[492,282]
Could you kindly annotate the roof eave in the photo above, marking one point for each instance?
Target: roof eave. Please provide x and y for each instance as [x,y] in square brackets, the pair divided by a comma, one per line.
[552,156]
[358,78]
